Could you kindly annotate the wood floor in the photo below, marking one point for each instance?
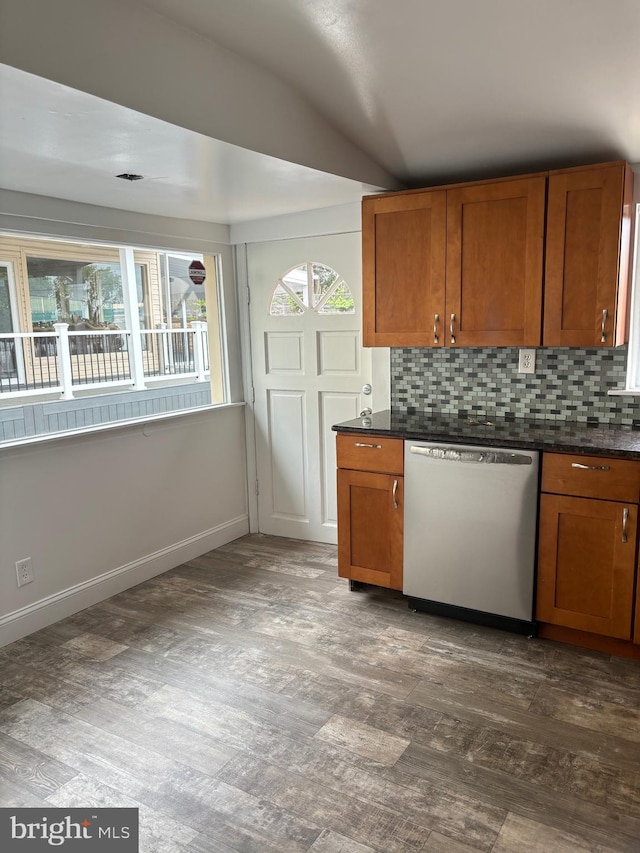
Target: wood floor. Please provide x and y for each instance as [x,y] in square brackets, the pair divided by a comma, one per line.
[247,701]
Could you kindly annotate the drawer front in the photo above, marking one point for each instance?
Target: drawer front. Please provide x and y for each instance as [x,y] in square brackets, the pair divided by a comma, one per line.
[370,453]
[591,477]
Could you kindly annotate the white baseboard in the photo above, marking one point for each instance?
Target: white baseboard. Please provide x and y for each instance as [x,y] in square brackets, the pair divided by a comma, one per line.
[48,610]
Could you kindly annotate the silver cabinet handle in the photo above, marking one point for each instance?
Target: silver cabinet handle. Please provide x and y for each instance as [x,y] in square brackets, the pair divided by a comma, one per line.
[436,320]
[395,502]
[374,446]
[591,467]
[453,320]
[604,322]
[625,521]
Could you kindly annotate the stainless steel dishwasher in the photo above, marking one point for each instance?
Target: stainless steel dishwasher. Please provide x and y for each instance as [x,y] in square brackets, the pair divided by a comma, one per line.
[470,532]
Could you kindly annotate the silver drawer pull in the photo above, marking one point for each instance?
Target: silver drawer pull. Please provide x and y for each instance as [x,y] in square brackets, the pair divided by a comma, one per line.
[374,446]
[603,337]
[591,467]
[395,500]
[625,521]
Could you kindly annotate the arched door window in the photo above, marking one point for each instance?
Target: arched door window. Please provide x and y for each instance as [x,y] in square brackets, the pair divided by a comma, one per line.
[311,287]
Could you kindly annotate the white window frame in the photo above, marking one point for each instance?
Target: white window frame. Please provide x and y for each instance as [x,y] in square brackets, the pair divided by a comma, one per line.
[13,308]
[217,316]
[632,384]
[13,293]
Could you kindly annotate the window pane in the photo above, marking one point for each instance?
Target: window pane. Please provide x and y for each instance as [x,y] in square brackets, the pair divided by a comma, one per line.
[186,300]
[340,301]
[80,293]
[298,281]
[325,284]
[283,304]
[323,278]
[143,297]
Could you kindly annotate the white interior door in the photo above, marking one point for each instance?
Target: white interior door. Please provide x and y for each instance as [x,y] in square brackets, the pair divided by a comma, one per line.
[309,368]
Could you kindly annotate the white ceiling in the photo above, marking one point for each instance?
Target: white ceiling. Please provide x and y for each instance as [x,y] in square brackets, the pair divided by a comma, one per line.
[431,90]
[57,141]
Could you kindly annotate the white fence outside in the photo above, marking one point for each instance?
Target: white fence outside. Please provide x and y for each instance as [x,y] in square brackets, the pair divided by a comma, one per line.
[64,361]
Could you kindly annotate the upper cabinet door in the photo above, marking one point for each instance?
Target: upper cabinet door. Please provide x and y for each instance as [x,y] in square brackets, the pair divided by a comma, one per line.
[588,241]
[404,251]
[495,235]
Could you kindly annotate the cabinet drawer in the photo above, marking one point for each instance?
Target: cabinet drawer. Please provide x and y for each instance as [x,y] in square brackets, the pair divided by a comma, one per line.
[370,453]
[591,477]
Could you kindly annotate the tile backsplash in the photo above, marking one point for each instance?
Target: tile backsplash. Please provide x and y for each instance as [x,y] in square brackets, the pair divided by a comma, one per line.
[569,384]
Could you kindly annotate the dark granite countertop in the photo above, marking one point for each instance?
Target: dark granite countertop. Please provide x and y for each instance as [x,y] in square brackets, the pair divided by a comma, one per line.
[562,436]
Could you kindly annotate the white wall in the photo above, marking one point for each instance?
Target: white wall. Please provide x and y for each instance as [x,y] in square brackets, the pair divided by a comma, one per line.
[130,55]
[338,219]
[56,217]
[99,513]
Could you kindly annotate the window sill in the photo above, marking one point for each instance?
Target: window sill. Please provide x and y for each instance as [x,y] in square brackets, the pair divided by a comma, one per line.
[624,392]
[115,425]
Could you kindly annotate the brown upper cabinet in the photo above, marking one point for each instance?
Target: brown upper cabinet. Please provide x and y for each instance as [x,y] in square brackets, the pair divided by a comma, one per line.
[463,265]
[495,235]
[587,261]
[404,250]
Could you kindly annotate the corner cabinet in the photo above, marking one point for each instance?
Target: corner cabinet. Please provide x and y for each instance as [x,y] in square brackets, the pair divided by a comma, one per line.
[370,509]
[589,214]
[587,544]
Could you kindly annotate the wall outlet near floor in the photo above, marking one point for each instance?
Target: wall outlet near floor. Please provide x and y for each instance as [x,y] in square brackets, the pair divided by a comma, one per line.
[527,361]
[24,571]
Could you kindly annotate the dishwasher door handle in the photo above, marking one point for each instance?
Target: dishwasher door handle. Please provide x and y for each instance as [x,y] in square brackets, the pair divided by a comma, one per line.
[446,453]
[449,454]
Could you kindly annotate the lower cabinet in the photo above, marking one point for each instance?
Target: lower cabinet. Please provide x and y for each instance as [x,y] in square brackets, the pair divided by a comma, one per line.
[370,510]
[370,513]
[587,551]
[588,588]
[586,564]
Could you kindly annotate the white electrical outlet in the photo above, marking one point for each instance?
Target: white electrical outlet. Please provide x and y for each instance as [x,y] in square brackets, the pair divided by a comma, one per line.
[24,571]
[527,361]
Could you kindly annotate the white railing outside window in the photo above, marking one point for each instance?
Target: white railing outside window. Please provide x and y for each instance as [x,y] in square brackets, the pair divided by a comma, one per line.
[64,362]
